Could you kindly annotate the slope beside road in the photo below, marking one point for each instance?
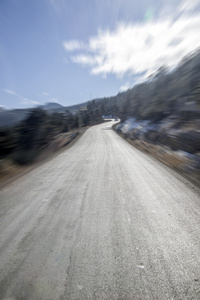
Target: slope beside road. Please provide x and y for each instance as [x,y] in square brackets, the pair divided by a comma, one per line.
[100,221]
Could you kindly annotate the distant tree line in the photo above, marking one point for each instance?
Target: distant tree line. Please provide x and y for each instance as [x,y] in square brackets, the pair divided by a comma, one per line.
[24,142]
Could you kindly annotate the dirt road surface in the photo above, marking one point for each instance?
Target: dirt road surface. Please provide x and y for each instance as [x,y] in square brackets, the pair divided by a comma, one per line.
[100,221]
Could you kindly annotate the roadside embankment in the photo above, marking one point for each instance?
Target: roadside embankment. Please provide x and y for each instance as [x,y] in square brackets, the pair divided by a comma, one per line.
[175,143]
[10,170]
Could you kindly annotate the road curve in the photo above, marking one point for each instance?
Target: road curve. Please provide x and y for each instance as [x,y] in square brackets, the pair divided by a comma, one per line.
[100,221]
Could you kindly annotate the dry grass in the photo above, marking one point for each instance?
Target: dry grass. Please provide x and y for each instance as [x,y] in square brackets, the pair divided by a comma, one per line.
[9,171]
[173,159]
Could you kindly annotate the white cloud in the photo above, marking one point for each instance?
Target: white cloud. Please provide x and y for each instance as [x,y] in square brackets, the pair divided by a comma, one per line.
[72,45]
[188,6]
[45,94]
[11,92]
[24,100]
[143,47]
[128,85]
[83,59]
[53,100]
[48,97]
[28,102]
[125,87]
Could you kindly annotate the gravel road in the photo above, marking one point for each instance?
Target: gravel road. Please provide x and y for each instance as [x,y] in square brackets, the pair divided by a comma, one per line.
[100,221]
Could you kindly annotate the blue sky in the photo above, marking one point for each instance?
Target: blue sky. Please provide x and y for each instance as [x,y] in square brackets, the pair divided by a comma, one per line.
[71,51]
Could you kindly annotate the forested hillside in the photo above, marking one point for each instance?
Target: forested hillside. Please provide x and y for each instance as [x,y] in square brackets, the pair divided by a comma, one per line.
[162,116]
[165,93]
[24,142]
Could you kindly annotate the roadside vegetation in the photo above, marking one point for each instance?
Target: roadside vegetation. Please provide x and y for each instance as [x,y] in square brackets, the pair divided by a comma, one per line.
[40,135]
[162,116]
